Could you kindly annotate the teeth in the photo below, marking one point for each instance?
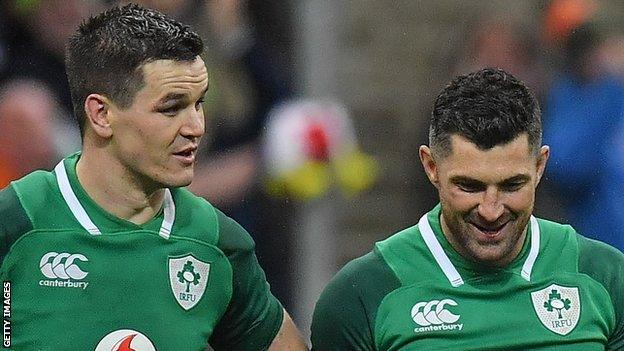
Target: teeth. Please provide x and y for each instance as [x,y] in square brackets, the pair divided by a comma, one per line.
[488,230]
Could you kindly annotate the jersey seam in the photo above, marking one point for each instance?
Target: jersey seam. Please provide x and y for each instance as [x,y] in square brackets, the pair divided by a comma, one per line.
[216,221]
[21,202]
[577,243]
[389,264]
[374,331]
[374,324]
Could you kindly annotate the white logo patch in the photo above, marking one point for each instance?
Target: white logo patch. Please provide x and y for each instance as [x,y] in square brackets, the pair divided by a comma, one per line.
[433,315]
[125,339]
[557,307]
[188,277]
[63,268]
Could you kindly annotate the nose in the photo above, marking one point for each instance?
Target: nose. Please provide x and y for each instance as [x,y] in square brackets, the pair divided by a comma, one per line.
[194,125]
[490,208]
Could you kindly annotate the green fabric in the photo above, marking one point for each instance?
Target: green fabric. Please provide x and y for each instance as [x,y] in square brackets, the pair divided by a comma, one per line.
[605,265]
[132,278]
[254,316]
[345,313]
[495,309]
[15,220]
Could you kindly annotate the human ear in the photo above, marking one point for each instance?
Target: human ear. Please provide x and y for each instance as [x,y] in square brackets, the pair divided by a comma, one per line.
[542,159]
[97,111]
[429,164]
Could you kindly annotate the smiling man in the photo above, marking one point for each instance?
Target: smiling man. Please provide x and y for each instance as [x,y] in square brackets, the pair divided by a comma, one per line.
[108,252]
[479,272]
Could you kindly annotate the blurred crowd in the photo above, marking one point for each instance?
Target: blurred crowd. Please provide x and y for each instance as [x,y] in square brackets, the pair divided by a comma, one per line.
[575,65]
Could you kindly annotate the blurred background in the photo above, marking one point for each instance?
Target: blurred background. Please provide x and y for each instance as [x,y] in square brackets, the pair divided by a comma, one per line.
[317,108]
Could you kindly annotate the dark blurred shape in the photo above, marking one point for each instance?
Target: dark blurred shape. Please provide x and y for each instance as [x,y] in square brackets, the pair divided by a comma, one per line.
[581,55]
[562,16]
[503,43]
[36,123]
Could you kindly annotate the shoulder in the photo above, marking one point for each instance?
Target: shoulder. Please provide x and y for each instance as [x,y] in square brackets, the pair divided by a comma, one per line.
[590,256]
[195,217]
[599,260]
[406,254]
[36,189]
[38,193]
[225,232]
[192,205]
[559,239]
[11,207]
[232,236]
[35,181]
[590,252]
[345,313]
[557,231]
[367,276]
[605,265]
[15,201]
[28,193]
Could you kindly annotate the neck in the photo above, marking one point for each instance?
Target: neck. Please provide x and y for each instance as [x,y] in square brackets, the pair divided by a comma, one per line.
[116,189]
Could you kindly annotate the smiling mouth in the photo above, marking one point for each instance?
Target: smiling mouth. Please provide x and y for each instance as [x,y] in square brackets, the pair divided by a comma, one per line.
[489,231]
[185,153]
[186,156]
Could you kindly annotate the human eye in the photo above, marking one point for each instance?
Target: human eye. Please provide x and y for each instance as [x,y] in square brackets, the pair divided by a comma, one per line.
[170,110]
[512,186]
[470,187]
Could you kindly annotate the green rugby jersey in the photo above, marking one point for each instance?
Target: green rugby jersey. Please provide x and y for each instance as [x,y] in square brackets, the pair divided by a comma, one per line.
[83,279]
[415,292]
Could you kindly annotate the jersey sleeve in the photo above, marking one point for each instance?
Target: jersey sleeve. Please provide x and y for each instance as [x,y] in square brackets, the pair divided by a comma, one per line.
[254,316]
[605,264]
[13,220]
[344,316]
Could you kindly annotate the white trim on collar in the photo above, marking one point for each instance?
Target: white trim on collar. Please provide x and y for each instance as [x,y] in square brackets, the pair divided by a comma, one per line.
[527,267]
[85,221]
[168,216]
[449,269]
[438,252]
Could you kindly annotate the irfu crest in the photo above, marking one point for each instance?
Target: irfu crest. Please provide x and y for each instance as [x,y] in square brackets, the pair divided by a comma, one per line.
[557,307]
[188,277]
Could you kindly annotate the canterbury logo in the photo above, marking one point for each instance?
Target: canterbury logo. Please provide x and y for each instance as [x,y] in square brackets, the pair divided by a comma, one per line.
[434,313]
[62,265]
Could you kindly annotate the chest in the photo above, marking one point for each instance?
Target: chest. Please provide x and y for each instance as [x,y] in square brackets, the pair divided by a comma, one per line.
[75,291]
[563,312]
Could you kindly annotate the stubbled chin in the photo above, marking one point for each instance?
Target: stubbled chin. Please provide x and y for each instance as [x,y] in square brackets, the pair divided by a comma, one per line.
[178,179]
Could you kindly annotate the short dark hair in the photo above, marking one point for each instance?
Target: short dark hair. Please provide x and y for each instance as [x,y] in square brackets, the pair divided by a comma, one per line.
[489,107]
[108,51]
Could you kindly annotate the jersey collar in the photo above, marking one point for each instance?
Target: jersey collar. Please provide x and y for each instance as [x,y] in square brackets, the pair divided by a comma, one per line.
[83,217]
[449,269]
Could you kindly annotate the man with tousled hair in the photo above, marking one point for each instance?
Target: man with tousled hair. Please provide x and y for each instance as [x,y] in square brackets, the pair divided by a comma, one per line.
[479,272]
[108,250]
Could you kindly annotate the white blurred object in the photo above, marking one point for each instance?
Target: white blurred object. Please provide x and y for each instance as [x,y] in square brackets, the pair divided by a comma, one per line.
[310,145]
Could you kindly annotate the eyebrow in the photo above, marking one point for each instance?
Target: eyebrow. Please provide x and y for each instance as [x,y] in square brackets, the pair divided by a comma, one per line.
[179,96]
[172,97]
[467,180]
